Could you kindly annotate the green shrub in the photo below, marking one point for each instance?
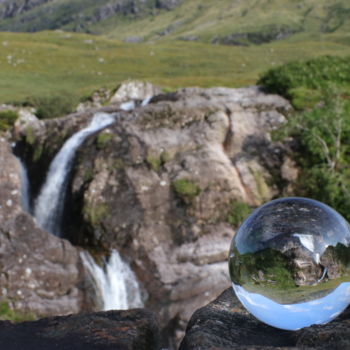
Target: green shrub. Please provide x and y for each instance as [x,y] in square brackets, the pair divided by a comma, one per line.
[315,74]
[320,90]
[54,106]
[238,212]
[7,119]
[186,189]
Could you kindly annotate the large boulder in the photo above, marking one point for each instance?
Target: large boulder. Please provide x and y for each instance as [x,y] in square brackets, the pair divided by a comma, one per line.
[224,324]
[161,183]
[134,90]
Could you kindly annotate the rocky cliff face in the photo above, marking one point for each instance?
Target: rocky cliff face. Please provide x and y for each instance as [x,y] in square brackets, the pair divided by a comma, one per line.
[28,15]
[38,272]
[159,186]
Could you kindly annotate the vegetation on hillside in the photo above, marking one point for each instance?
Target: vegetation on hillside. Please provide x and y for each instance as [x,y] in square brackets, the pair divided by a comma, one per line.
[7,119]
[219,21]
[46,64]
[320,89]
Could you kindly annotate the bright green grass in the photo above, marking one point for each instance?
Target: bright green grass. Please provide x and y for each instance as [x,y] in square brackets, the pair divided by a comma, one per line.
[48,63]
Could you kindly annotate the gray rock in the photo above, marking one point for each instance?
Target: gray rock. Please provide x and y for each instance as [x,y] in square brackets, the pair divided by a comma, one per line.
[134,90]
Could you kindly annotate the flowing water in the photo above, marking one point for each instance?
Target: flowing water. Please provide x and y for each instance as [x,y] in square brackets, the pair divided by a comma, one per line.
[49,204]
[115,282]
[24,187]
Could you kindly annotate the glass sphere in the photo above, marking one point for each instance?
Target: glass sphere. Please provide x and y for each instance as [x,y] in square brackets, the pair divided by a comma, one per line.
[290,263]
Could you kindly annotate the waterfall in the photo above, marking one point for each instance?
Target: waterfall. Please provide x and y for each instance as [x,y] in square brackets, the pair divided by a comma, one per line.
[146,101]
[131,105]
[24,186]
[49,204]
[115,282]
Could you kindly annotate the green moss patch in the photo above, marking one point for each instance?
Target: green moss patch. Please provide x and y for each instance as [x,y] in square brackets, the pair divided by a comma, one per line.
[186,189]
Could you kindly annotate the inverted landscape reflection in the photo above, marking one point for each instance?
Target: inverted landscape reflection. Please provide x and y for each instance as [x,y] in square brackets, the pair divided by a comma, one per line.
[295,316]
[290,263]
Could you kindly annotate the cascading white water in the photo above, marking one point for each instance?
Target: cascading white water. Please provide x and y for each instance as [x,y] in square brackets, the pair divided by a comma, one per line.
[146,101]
[115,282]
[24,186]
[49,204]
[131,105]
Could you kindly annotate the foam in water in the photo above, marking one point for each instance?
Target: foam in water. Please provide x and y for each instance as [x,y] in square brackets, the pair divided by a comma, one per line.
[131,105]
[24,186]
[128,106]
[49,204]
[115,282]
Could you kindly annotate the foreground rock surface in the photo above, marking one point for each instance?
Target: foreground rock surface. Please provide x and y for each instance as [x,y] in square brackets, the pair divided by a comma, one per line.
[122,330]
[224,324]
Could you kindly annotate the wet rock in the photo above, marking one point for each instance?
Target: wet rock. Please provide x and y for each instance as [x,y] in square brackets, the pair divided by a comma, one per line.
[224,324]
[134,90]
[122,330]
[39,273]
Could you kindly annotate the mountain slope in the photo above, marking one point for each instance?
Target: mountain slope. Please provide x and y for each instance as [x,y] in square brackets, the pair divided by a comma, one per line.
[213,21]
[76,15]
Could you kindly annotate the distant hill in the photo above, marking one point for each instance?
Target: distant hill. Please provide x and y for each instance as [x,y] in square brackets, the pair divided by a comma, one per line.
[232,22]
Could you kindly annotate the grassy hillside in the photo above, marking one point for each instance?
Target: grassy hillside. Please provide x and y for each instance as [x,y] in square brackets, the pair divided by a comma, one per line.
[49,63]
[223,21]
[215,21]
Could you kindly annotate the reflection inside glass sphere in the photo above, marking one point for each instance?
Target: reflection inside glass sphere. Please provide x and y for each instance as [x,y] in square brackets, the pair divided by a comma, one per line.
[290,263]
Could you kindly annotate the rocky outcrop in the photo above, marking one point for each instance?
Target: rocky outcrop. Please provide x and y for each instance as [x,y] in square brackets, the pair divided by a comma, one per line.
[224,324]
[134,90]
[122,330]
[27,15]
[39,273]
[160,184]
[11,8]
[264,35]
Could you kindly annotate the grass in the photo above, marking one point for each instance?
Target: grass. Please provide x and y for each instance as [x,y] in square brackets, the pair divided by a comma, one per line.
[53,63]
[7,314]
[7,119]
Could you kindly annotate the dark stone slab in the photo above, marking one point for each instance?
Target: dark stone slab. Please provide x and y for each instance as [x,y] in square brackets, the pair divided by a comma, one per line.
[224,324]
[121,330]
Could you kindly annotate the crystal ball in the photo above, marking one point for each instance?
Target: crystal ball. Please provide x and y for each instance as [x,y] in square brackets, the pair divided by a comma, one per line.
[290,263]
